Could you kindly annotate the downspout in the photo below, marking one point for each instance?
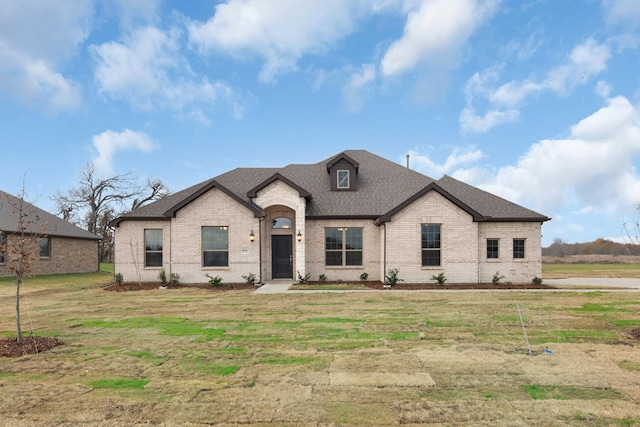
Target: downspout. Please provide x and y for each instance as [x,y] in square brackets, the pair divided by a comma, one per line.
[260,221]
[384,256]
[478,255]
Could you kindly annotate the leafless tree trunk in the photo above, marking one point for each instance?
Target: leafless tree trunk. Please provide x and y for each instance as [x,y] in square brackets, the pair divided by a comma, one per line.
[20,247]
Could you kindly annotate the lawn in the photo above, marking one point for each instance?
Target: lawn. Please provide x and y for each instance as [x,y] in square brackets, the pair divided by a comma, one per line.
[205,357]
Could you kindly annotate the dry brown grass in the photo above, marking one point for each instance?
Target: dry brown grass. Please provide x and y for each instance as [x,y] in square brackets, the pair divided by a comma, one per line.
[373,358]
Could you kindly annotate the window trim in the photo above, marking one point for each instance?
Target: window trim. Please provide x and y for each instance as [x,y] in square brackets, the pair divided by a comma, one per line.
[344,250]
[156,251]
[524,245]
[424,249]
[48,247]
[205,251]
[496,249]
[346,174]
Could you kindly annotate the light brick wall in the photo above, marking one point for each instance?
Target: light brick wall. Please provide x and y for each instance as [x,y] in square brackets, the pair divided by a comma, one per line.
[279,199]
[182,242]
[514,270]
[129,250]
[67,256]
[459,245]
[463,245]
[315,244]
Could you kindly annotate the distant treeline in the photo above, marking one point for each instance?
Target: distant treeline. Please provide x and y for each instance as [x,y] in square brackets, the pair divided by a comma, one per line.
[597,247]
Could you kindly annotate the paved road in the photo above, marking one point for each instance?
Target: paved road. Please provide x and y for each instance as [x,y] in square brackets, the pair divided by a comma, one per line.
[280,287]
[596,282]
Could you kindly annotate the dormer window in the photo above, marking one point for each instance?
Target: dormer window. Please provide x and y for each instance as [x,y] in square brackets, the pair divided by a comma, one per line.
[343,171]
[343,180]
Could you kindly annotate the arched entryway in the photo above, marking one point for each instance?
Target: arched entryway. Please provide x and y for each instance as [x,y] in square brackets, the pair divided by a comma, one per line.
[280,233]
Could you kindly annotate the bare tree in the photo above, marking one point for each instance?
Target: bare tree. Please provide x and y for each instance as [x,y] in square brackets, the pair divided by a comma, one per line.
[21,246]
[95,201]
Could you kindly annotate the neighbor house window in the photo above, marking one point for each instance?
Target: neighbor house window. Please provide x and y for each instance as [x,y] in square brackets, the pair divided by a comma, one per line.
[518,248]
[153,248]
[45,248]
[343,246]
[492,248]
[2,249]
[343,179]
[431,245]
[215,246]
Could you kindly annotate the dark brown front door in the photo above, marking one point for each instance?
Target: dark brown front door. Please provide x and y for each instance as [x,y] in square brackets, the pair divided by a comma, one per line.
[282,257]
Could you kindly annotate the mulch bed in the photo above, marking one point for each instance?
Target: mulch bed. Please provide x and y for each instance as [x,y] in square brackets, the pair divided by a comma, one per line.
[30,345]
[635,333]
[457,286]
[124,287]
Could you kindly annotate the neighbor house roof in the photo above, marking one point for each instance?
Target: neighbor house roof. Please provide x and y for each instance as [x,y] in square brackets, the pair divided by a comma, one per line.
[384,188]
[36,220]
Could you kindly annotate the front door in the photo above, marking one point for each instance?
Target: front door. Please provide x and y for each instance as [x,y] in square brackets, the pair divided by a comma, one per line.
[282,257]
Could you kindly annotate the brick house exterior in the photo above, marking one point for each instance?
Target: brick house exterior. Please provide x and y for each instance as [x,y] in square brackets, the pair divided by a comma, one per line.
[64,247]
[351,214]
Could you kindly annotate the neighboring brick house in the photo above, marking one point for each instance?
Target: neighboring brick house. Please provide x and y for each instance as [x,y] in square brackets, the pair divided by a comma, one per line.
[64,247]
[354,213]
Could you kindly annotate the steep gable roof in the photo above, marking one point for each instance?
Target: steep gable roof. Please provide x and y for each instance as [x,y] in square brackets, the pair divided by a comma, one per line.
[38,220]
[384,188]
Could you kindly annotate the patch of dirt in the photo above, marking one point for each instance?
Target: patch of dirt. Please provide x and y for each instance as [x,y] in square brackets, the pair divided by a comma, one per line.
[30,345]
[434,286]
[635,333]
[124,287]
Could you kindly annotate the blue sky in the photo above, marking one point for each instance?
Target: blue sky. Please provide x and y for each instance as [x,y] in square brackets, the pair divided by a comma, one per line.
[536,101]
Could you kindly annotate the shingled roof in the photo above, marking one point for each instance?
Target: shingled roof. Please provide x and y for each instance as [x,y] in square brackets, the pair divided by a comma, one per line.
[37,220]
[384,187]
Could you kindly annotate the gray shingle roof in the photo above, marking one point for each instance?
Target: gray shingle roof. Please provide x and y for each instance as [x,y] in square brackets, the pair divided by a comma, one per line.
[37,220]
[382,187]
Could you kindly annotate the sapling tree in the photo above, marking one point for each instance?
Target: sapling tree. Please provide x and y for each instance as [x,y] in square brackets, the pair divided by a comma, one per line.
[20,247]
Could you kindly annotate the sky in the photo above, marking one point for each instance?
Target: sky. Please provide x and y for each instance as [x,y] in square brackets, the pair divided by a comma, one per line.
[535,101]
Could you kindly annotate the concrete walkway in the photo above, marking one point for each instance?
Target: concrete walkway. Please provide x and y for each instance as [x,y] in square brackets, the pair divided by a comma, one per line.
[597,283]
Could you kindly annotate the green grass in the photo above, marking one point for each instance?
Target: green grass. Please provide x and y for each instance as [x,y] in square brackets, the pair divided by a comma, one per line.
[545,392]
[558,271]
[119,384]
[289,360]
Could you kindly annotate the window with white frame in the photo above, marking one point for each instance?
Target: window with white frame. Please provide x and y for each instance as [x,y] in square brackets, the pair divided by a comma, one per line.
[343,179]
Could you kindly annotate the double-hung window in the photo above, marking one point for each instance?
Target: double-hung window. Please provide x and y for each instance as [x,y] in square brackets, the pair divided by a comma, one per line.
[153,247]
[343,246]
[431,245]
[493,248]
[518,248]
[215,246]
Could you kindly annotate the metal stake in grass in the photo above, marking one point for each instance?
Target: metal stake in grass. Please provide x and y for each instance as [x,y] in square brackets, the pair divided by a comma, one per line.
[524,329]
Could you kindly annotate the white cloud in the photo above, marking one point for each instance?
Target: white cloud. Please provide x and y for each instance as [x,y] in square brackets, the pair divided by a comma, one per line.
[108,143]
[29,64]
[459,157]
[358,86]
[585,61]
[626,12]
[434,33]
[592,168]
[132,12]
[149,71]
[280,31]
